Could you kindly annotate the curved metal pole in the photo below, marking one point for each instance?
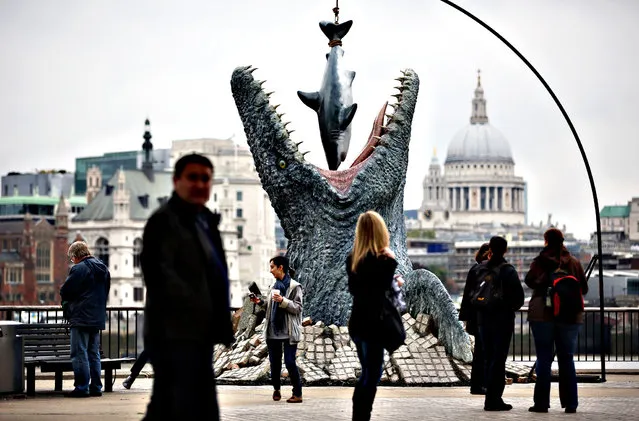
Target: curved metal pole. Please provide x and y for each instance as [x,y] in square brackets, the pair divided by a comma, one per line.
[583,156]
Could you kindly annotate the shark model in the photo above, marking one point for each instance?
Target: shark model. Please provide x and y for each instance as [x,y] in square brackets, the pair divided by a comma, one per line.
[333,103]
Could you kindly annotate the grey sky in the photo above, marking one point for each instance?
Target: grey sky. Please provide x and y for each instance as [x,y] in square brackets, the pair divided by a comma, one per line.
[78,78]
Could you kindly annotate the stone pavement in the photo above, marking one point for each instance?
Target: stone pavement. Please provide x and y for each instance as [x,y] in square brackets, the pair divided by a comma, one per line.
[616,399]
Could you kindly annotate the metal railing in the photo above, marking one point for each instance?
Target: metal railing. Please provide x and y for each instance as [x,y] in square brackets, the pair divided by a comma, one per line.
[122,336]
[620,336]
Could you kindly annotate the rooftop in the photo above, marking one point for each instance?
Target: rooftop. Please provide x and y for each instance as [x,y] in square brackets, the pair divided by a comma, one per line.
[617,211]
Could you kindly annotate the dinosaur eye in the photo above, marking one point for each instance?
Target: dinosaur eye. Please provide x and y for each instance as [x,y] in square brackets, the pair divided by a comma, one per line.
[282,164]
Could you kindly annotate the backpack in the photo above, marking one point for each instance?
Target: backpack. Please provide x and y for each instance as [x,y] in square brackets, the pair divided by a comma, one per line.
[488,294]
[566,297]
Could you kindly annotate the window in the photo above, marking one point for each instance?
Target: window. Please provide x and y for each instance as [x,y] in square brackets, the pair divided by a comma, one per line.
[215,197]
[240,232]
[102,250]
[6,190]
[43,262]
[637,226]
[238,195]
[238,213]
[138,294]
[14,275]
[137,250]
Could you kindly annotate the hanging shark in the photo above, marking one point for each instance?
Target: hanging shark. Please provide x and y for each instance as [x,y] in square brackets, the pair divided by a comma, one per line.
[333,103]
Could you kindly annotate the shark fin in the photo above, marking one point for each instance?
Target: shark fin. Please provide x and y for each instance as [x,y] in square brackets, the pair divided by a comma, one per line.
[347,116]
[351,75]
[335,32]
[310,99]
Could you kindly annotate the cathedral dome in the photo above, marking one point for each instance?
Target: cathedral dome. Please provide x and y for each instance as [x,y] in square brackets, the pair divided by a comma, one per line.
[479,143]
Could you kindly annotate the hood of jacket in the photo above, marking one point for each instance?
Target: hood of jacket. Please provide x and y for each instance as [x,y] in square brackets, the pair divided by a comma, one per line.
[97,267]
[550,259]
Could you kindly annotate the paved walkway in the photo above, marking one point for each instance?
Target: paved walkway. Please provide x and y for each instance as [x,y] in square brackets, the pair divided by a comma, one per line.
[616,399]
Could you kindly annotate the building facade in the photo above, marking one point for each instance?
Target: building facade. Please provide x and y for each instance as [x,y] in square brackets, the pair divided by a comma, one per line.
[478,184]
[108,164]
[43,183]
[113,222]
[619,225]
[33,258]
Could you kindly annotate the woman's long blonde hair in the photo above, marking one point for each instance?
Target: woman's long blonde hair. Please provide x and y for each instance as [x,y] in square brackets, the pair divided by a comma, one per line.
[371,236]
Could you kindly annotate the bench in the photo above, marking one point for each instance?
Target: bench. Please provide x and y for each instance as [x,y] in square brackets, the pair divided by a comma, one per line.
[48,346]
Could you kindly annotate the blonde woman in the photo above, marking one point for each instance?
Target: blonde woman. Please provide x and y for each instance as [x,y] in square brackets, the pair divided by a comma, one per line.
[370,267]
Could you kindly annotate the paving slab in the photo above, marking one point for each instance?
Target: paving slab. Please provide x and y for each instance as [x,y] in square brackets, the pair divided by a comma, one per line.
[617,399]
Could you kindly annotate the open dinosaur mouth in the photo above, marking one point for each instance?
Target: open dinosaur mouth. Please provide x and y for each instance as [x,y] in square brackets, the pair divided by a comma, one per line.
[263,124]
[342,180]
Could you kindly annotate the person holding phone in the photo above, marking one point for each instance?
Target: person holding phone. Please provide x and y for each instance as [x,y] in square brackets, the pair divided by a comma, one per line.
[283,326]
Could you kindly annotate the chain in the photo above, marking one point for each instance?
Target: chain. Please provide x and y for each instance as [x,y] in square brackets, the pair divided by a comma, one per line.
[336,11]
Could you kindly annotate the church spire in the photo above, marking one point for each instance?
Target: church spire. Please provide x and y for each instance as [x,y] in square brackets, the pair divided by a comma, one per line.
[147,147]
[479,115]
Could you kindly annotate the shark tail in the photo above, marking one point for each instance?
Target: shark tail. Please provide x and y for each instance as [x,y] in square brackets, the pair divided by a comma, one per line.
[334,31]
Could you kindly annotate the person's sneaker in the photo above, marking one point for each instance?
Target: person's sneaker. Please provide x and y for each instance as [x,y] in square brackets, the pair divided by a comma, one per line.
[75,393]
[95,393]
[537,409]
[128,382]
[294,399]
[277,395]
[499,407]
[571,410]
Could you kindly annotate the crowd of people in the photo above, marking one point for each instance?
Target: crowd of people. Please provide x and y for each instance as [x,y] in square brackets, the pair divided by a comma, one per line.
[554,331]
[187,309]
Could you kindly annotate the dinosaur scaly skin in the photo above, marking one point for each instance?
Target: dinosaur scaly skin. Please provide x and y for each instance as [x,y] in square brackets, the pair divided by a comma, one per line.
[318,209]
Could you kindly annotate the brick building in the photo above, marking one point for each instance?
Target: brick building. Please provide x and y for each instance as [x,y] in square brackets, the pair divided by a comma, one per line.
[33,258]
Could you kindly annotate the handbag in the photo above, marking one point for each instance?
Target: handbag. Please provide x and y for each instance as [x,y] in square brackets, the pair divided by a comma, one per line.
[393,333]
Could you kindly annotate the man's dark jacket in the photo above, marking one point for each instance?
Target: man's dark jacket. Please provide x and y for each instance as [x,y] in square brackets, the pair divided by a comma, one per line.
[86,289]
[187,300]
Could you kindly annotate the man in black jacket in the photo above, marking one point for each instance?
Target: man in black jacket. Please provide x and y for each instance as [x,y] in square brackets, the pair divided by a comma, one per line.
[84,294]
[187,303]
[497,321]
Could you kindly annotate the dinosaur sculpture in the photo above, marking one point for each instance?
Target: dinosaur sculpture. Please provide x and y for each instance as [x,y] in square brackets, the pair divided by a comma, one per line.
[319,208]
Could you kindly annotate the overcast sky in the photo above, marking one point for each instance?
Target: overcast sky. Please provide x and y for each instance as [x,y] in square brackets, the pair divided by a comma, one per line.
[78,78]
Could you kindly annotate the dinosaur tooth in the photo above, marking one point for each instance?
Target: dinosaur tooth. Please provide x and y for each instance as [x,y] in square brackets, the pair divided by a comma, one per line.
[377,137]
